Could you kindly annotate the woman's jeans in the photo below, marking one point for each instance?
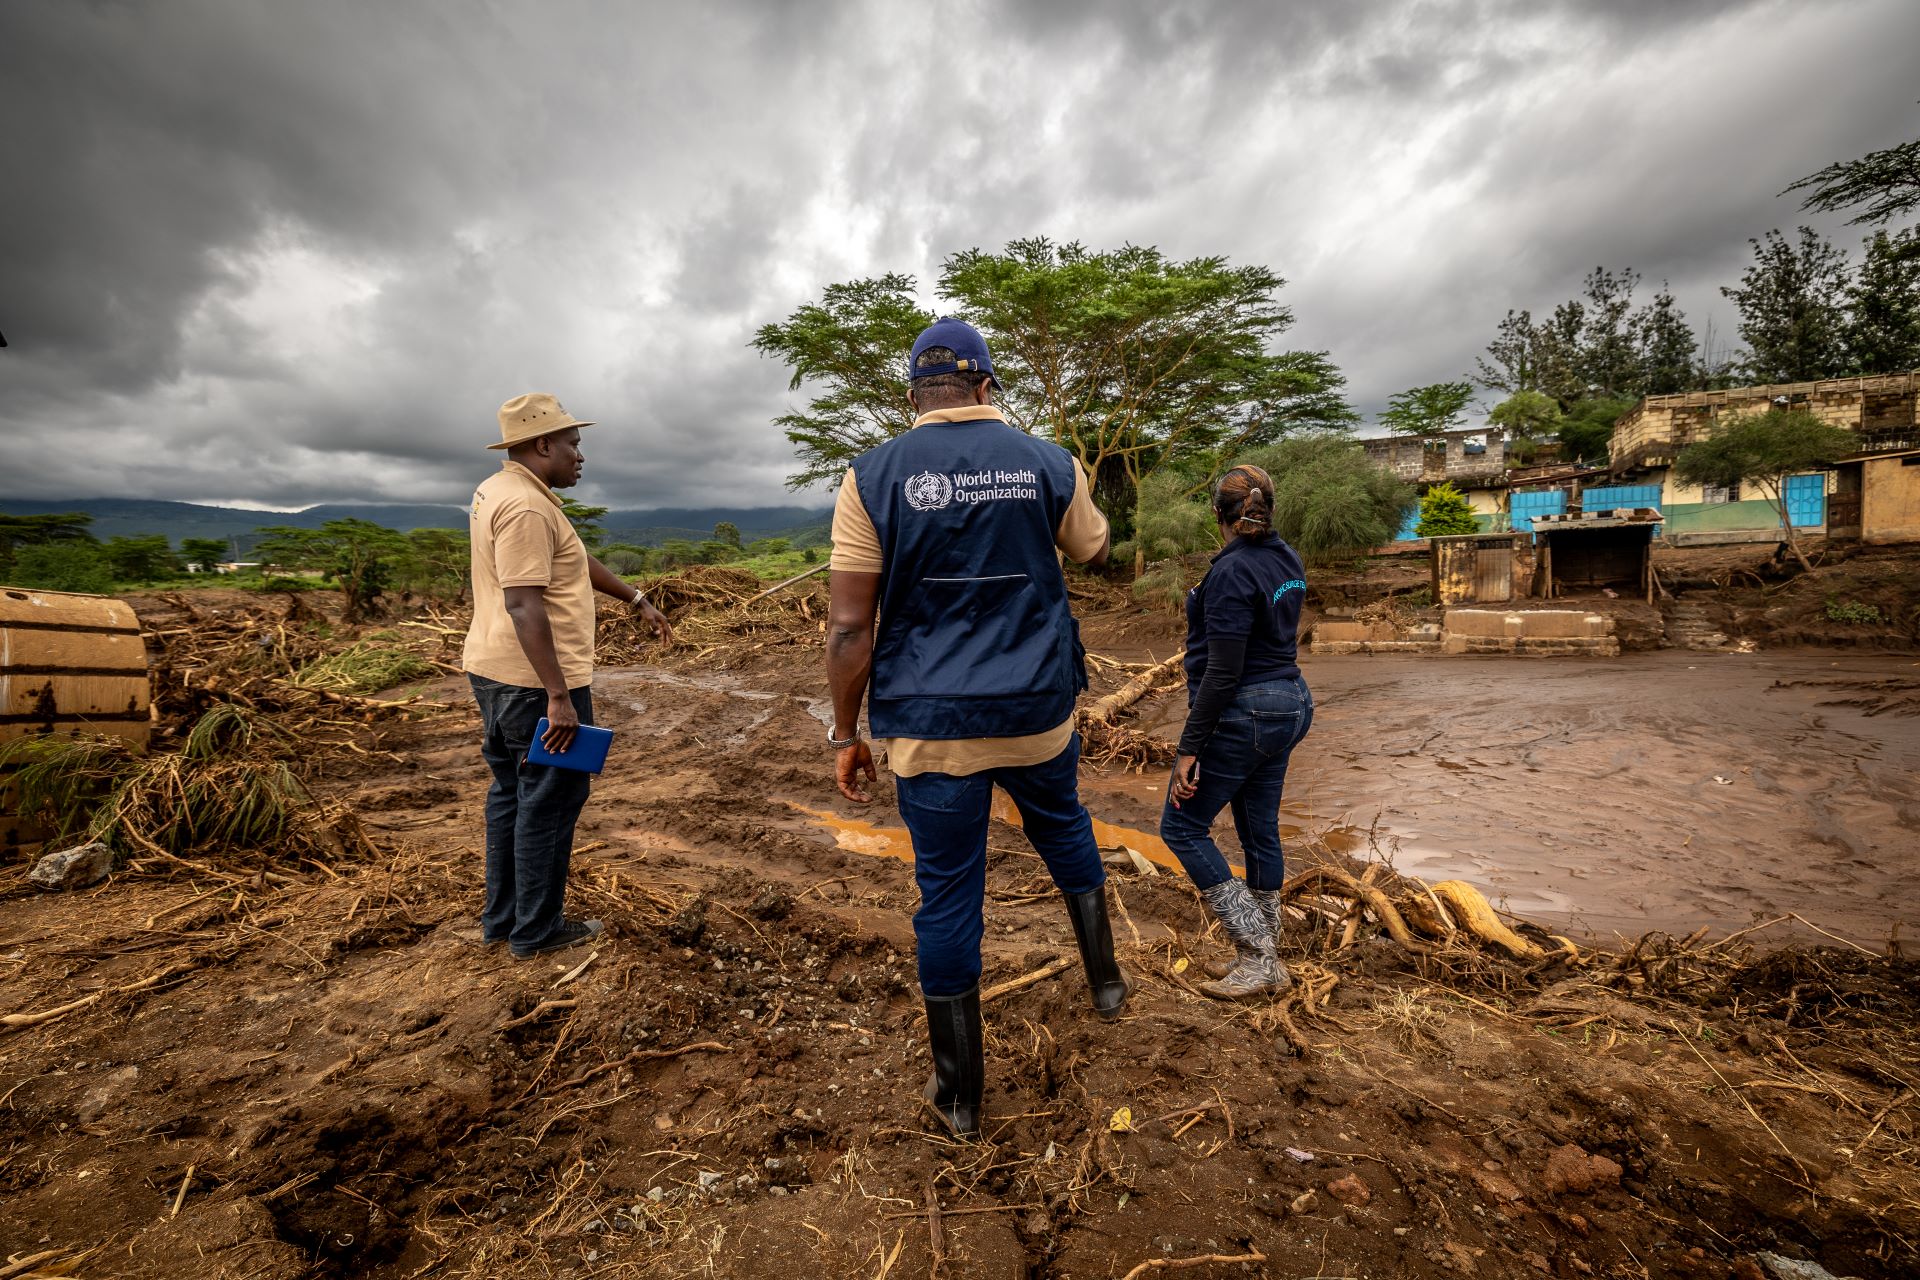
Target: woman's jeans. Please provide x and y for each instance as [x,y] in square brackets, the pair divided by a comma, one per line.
[1244,764]
[531,809]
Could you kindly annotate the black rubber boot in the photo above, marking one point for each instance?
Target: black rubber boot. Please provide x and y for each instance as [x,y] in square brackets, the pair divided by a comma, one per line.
[959,1064]
[1094,933]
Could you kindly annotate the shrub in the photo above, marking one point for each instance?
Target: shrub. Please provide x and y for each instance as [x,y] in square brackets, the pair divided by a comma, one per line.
[1444,511]
[1853,613]
[62,566]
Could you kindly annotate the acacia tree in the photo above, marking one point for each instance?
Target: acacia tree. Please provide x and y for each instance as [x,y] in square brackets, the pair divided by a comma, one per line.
[1134,361]
[1130,360]
[33,531]
[584,519]
[358,553]
[1762,450]
[203,554]
[1427,411]
[1791,313]
[444,558]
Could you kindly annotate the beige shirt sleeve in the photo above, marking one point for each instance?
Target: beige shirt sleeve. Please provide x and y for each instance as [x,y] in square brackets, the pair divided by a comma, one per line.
[856,543]
[1083,530]
[522,548]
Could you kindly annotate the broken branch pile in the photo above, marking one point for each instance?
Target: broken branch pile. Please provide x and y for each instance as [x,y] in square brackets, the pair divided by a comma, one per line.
[717,613]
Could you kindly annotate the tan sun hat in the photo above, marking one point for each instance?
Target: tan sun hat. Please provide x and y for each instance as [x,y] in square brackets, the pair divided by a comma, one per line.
[530,416]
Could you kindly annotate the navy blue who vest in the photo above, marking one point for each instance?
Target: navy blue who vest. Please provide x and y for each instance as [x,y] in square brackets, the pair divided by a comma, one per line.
[975,639]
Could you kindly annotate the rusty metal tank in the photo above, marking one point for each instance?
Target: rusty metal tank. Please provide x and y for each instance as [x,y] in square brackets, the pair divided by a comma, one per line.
[69,664]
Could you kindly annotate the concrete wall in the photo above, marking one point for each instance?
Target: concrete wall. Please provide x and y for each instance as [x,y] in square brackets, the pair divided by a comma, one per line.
[1890,500]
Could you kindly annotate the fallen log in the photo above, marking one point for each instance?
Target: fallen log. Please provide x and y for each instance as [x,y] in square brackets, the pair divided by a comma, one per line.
[1103,710]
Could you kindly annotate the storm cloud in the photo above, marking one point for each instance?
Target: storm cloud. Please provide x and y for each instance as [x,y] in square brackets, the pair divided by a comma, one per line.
[288,253]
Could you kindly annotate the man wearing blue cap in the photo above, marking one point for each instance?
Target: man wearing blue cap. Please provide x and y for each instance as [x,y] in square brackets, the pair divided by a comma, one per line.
[951,532]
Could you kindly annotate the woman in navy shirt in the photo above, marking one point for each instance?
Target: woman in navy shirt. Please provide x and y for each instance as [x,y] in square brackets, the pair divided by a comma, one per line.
[1247,708]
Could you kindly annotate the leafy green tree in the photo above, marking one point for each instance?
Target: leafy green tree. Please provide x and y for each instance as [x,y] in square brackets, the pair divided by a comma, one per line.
[809,556]
[202,554]
[1563,373]
[1668,360]
[1609,338]
[1886,182]
[1527,415]
[770,546]
[1331,501]
[1173,519]
[444,561]
[1791,309]
[585,520]
[714,551]
[625,558]
[1762,450]
[69,565]
[1883,305]
[31,531]
[678,551]
[728,532]
[359,554]
[146,557]
[1429,410]
[1444,510]
[1586,429]
[1513,359]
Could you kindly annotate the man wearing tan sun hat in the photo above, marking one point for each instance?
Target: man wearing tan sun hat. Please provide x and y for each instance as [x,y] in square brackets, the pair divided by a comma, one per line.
[529,654]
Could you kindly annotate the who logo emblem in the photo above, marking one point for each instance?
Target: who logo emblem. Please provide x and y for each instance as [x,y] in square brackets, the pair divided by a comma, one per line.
[929,491]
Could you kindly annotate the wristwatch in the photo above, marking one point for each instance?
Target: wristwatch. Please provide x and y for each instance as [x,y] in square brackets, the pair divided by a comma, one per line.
[841,744]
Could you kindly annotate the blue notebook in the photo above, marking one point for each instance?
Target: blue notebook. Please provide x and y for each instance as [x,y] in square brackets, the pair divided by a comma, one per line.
[588,753]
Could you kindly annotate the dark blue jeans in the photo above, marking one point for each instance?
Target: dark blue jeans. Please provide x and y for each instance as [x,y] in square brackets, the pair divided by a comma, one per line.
[1244,764]
[947,816]
[531,809]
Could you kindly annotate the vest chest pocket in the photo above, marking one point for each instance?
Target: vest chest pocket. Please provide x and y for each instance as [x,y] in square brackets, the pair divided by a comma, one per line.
[968,637]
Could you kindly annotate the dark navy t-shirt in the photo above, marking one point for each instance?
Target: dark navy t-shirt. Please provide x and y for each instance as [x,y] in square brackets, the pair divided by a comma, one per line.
[1254,589]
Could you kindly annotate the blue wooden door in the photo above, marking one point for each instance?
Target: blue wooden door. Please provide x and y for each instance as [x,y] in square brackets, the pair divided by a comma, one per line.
[1541,502]
[1806,500]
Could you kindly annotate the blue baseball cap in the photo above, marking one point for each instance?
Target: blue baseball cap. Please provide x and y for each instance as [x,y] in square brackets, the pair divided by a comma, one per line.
[968,347]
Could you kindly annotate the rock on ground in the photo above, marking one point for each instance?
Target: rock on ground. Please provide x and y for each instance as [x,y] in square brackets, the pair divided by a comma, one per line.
[74,868]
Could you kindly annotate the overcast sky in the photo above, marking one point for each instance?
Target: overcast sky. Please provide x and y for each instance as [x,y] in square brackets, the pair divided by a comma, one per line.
[284,253]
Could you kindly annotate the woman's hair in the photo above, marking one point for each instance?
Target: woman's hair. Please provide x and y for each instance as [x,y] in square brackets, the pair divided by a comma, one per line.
[1243,500]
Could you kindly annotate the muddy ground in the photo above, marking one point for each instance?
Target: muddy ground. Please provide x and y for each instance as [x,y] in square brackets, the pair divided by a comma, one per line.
[321,1077]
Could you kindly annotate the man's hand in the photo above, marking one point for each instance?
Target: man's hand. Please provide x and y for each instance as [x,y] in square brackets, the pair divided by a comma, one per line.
[1186,779]
[848,764]
[652,617]
[563,722]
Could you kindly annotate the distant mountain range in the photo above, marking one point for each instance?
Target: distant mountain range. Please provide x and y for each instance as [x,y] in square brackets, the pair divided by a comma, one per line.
[804,526]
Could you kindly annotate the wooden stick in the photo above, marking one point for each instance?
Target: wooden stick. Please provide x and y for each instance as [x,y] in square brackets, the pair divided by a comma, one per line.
[1041,974]
[822,567]
[936,1235]
[20,1021]
[181,1198]
[1182,1264]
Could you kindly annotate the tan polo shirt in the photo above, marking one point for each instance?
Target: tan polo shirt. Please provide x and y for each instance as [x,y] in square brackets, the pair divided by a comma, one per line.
[522,538]
[856,549]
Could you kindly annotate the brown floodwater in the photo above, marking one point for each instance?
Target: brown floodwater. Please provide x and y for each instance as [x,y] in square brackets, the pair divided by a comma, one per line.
[1663,790]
